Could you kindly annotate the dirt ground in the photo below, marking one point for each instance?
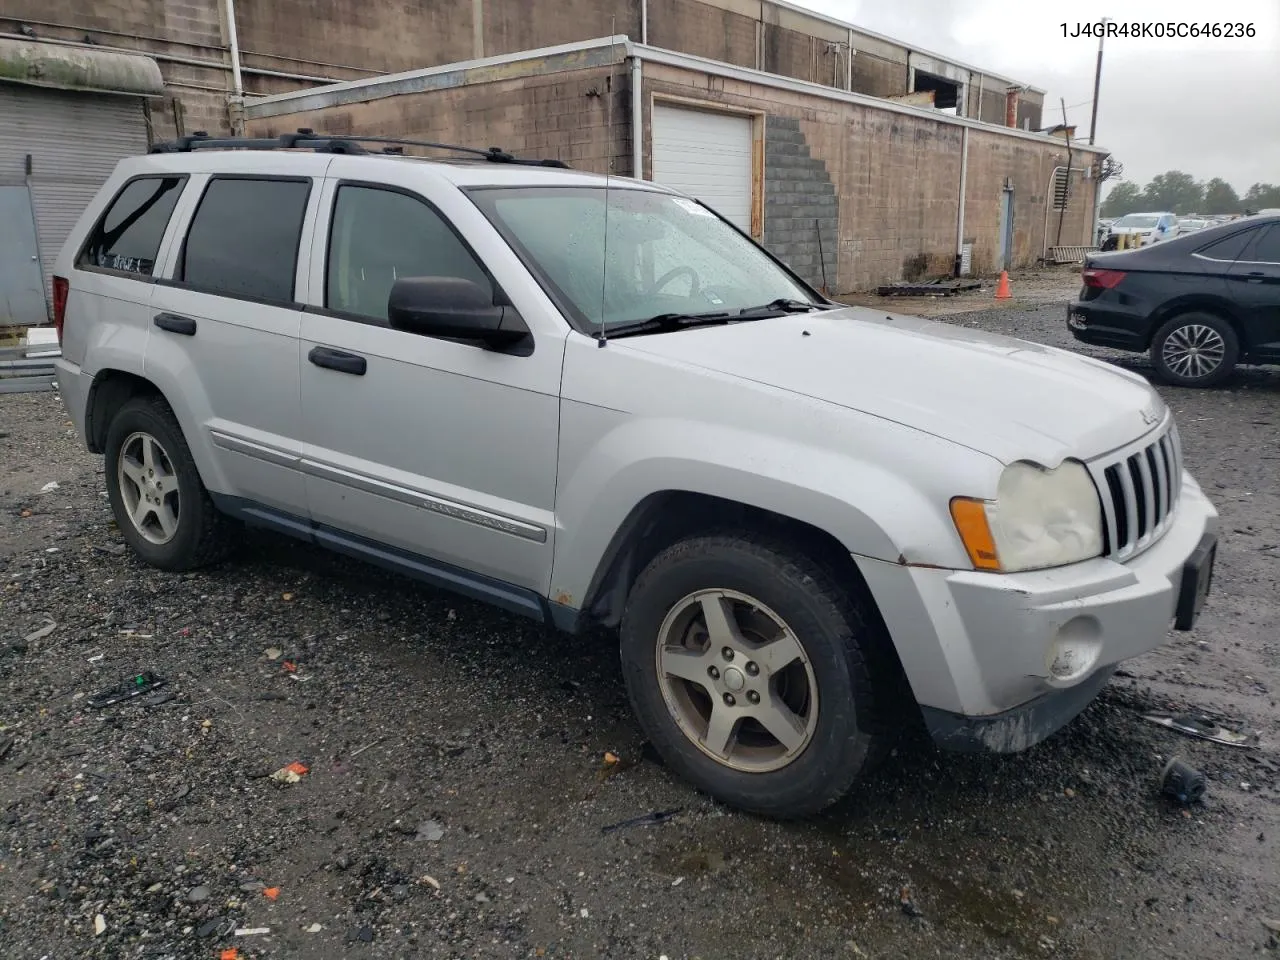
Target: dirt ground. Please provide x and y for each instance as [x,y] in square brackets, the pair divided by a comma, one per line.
[456,791]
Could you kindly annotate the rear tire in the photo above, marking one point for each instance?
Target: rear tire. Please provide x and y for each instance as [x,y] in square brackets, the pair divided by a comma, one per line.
[160,504]
[772,709]
[1195,350]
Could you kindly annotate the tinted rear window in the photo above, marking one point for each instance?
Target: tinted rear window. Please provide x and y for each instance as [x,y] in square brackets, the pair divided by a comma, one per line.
[243,240]
[128,236]
[1229,248]
[1267,249]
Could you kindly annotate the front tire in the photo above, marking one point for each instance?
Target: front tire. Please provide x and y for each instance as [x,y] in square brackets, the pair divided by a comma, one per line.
[159,502]
[749,668]
[1195,350]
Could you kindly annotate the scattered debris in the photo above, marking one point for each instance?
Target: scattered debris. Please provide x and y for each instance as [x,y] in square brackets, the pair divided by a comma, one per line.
[367,746]
[217,927]
[97,658]
[907,904]
[431,881]
[135,686]
[1201,727]
[272,653]
[286,597]
[429,830]
[112,549]
[41,632]
[99,925]
[657,817]
[1182,782]
[584,913]
[291,773]
[197,894]
[49,487]
[610,758]
[231,953]
[928,288]
[677,881]
[156,699]
[271,893]
[314,928]
[251,931]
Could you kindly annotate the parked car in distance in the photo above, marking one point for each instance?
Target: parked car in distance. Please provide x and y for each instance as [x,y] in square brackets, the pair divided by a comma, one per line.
[1142,228]
[1198,304]
[1192,224]
[593,401]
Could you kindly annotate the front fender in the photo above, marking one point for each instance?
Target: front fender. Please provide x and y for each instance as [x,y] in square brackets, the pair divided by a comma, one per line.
[872,509]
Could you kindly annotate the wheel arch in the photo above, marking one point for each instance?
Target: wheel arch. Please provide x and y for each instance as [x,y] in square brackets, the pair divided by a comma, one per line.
[1197,303]
[111,389]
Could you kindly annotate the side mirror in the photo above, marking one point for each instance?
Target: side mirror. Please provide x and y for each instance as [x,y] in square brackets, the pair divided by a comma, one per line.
[452,308]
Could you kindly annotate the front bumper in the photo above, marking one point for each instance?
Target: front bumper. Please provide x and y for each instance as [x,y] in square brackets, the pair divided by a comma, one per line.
[1000,661]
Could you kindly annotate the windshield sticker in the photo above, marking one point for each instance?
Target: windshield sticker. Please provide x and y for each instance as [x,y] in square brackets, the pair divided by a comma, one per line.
[694,208]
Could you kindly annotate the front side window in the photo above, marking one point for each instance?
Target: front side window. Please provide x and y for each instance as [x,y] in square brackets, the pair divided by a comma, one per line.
[378,236]
[128,236]
[243,240]
[626,255]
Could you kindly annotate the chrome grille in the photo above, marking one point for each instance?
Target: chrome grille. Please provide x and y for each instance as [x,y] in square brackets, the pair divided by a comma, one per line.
[1139,489]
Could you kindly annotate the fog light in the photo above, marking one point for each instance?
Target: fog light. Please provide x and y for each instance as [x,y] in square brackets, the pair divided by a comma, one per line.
[1074,651]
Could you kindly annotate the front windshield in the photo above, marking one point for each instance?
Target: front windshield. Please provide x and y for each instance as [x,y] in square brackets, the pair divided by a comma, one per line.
[1134,220]
[666,254]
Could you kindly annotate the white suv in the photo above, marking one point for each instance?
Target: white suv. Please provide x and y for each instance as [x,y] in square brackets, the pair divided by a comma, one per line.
[592,400]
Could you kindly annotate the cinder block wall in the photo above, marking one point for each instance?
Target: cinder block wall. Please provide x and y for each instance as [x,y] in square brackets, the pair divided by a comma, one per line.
[801,209]
[896,183]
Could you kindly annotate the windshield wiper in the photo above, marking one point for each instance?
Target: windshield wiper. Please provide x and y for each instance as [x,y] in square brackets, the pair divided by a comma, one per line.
[782,305]
[666,322]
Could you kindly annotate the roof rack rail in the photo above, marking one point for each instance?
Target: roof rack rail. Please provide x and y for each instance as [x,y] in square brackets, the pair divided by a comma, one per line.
[307,138]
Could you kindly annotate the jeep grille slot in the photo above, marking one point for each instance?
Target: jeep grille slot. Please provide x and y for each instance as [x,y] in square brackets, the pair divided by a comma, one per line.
[1140,487]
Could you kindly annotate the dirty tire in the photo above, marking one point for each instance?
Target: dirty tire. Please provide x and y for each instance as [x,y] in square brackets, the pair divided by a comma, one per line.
[203,534]
[845,645]
[1168,350]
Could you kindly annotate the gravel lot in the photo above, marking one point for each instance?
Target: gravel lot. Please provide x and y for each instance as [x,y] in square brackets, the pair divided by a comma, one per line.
[456,784]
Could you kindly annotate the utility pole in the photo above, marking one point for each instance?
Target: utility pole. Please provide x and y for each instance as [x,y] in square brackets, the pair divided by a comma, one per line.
[1097,83]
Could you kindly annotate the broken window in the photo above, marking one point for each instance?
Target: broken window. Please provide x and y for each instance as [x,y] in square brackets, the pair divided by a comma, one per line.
[946,93]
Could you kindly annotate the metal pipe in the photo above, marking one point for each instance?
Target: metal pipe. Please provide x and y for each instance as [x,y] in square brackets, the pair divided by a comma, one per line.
[170,58]
[644,22]
[848,64]
[981,77]
[637,119]
[233,41]
[964,179]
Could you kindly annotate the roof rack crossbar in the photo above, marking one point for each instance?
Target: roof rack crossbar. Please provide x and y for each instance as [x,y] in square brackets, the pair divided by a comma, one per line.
[306,138]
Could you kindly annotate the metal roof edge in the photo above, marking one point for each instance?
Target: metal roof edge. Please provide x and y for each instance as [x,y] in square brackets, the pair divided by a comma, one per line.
[62,67]
[426,78]
[748,75]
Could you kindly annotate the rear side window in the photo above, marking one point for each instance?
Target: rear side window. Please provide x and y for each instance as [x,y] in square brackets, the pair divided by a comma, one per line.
[1267,249]
[378,236]
[243,240]
[1229,248]
[127,238]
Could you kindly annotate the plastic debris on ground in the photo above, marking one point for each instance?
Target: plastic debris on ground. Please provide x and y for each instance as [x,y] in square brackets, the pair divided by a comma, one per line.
[99,925]
[648,819]
[41,632]
[1200,727]
[291,773]
[1182,782]
[429,830]
[135,686]
[251,931]
[49,487]
[271,893]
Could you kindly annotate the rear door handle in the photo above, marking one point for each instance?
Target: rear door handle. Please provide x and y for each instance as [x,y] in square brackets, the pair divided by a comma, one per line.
[175,324]
[338,360]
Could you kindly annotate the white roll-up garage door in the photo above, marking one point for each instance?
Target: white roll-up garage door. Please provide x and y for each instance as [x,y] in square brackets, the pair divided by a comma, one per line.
[74,141]
[706,155]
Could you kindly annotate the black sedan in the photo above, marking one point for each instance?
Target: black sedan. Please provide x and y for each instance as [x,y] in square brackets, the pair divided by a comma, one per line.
[1199,304]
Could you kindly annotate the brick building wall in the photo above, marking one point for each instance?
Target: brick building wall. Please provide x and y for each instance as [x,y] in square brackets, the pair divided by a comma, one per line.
[562,116]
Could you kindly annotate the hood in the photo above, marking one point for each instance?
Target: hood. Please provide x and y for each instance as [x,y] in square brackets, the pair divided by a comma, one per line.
[1006,398]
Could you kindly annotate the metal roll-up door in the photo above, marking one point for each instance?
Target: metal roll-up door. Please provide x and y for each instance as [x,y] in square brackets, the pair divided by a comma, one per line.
[74,141]
[706,155]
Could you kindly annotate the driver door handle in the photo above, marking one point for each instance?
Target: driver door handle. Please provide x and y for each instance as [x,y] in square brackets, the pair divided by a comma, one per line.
[339,360]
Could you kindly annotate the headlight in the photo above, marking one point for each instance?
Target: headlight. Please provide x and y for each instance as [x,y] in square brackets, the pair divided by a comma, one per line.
[1040,518]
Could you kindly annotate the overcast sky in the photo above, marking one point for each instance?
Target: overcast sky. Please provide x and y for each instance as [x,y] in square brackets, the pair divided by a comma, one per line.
[1208,107]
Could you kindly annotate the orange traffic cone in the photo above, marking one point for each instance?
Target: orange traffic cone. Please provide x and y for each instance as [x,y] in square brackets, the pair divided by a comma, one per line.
[1002,288]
